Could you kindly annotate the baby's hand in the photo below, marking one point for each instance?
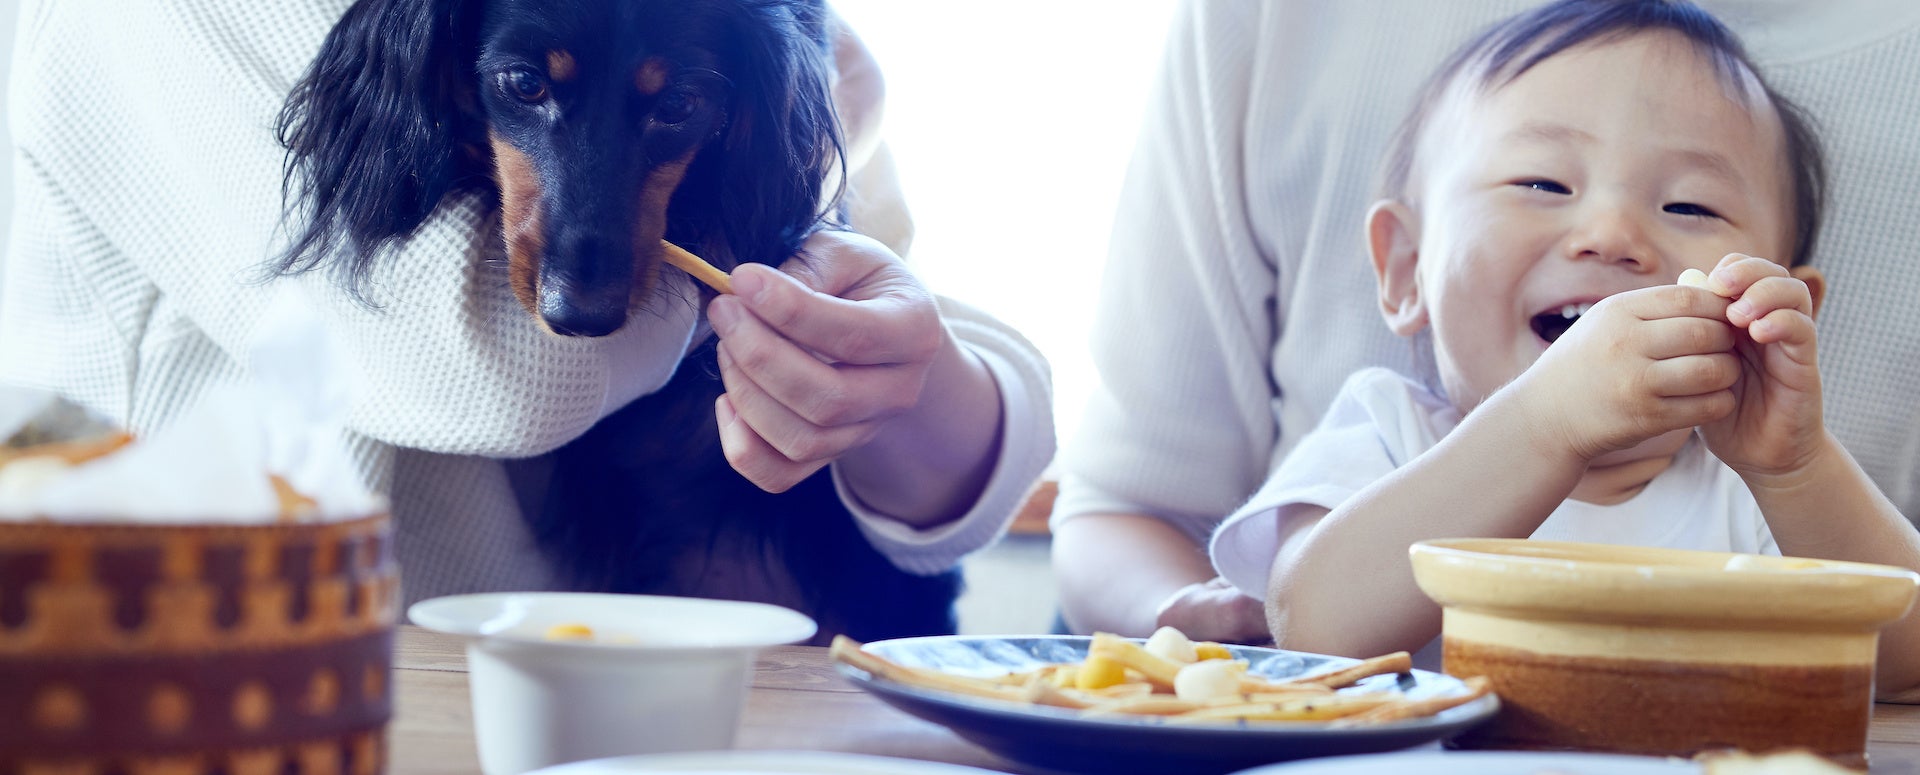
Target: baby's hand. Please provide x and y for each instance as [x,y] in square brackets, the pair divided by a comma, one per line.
[1776,423]
[1639,364]
[1215,610]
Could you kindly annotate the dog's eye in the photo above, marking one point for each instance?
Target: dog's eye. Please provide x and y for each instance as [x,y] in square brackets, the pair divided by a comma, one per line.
[524,85]
[675,107]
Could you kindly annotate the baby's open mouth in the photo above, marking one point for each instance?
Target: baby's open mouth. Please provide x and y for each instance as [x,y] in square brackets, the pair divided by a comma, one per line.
[1551,324]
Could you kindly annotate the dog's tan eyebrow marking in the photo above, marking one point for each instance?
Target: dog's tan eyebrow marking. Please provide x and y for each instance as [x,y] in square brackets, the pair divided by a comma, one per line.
[560,65]
[652,76]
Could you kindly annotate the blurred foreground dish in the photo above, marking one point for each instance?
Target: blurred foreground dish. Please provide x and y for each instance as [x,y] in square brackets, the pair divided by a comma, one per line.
[131,647]
[1663,651]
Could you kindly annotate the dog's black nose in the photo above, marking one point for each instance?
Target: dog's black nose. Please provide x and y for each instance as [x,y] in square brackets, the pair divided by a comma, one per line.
[585,285]
[580,315]
[573,321]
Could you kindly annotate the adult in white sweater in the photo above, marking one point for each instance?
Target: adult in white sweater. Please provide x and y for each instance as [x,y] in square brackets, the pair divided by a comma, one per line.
[148,183]
[1237,298]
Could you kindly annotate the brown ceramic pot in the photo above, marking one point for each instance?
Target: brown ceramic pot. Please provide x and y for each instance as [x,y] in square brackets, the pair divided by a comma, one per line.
[185,649]
[1663,651]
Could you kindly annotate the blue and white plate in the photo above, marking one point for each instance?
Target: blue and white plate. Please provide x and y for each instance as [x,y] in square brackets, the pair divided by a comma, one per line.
[1062,740]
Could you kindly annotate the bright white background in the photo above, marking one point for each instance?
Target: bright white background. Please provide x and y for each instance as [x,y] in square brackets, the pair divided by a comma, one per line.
[9,9]
[1012,122]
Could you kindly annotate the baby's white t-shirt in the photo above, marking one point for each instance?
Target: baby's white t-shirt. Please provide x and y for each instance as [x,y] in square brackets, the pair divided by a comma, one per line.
[1382,420]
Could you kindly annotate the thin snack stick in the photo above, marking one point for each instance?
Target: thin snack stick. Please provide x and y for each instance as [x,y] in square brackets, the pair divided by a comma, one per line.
[1477,687]
[1023,678]
[1287,695]
[1397,662]
[1267,713]
[293,504]
[1298,709]
[698,267]
[1041,691]
[1158,670]
[1255,685]
[1131,689]
[1149,705]
[848,650]
[72,453]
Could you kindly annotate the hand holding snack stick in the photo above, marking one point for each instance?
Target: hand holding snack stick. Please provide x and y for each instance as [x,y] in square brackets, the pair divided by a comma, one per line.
[848,361]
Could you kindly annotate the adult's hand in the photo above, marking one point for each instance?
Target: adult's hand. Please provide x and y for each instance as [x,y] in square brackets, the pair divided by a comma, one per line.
[841,355]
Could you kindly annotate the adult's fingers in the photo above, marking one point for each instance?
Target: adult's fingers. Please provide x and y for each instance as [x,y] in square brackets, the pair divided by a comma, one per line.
[756,460]
[787,432]
[894,321]
[822,393]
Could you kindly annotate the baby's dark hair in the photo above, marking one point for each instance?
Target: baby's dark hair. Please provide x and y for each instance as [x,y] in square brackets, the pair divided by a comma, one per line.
[1509,49]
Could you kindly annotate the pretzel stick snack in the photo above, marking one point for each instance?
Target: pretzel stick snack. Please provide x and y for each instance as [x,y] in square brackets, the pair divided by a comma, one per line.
[72,453]
[698,267]
[1397,662]
[848,650]
[1477,687]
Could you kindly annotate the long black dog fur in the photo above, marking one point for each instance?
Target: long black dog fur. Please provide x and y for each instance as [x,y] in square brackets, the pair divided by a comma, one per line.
[393,117]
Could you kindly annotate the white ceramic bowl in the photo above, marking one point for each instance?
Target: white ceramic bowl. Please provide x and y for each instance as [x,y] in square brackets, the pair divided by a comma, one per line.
[662,673]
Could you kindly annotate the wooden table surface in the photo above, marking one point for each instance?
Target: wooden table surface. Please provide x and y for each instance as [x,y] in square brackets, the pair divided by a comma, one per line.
[798,701]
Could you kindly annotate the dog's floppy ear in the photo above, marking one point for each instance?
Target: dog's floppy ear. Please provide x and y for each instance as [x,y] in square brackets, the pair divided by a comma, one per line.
[782,143]
[379,129]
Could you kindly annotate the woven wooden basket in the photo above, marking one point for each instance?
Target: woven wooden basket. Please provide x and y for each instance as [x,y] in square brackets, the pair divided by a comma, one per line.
[184,649]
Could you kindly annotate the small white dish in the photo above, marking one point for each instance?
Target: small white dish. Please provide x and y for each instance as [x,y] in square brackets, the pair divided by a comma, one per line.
[761,763]
[662,674]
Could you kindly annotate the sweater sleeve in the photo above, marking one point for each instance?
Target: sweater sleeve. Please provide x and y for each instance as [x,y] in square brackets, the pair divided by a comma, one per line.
[156,120]
[1026,446]
[1379,422]
[1181,427]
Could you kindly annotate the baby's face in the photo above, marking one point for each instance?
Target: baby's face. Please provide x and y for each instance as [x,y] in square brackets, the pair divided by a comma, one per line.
[1608,167]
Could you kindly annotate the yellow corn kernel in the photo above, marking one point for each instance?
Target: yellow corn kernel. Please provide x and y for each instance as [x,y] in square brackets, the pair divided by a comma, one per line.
[1210,650]
[1099,672]
[570,631]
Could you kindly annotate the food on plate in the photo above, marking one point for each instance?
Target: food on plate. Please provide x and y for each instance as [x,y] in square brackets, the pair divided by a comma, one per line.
[62,435]
[1172,644]
[1209,679]
[1121,678]
[1797,761]
[569,631]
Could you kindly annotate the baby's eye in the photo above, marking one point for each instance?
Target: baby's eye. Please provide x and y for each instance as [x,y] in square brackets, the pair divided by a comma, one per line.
[1542,184]
[1690,209]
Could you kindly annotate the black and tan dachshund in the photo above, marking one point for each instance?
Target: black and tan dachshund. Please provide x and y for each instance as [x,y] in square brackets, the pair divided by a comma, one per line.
[602,127]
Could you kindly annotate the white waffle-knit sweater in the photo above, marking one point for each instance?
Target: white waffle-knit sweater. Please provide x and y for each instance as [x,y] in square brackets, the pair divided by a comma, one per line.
[1238,298]
[147,182]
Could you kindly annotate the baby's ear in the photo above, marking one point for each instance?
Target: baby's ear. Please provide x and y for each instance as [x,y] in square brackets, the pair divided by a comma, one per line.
[1816,284]
[1393,239]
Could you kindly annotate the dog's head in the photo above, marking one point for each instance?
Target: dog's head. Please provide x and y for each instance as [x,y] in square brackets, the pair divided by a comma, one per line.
[604,126]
